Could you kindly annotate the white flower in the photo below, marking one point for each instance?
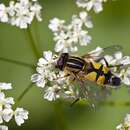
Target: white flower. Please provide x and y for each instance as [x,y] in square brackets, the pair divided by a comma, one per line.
[36,9]
[45,70]
[67,37]
[20,13]
[23,16]
[11,8]
[125,76]
[3,13]
[6,111]
[117,59]
[20,115]
[5,86]
[86,19]
[51,93]
[120,127]
[48,59]
[7,114]
[1,118]
[5,102]
[96,5]
[84,38]
[125,125]
[127,120]
[3,127]
[56,24]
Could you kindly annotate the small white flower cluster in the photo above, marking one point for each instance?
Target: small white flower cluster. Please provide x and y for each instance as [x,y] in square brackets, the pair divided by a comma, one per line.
[67,37]
[20,13]
[126,123]
[53,82]
[96,5]
[6,110]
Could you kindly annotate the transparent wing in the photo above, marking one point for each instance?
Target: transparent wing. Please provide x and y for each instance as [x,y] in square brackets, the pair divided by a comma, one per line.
[99,53]
[95,92]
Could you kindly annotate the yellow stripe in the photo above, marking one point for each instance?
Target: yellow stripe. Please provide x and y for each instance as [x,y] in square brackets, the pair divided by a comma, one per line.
[98,65]
[101,80]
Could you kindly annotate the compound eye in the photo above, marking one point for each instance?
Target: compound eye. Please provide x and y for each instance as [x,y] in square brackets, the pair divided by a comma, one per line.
[116,81]
[62,61]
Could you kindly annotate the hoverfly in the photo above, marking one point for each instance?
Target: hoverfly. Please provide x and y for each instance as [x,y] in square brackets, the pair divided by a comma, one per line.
[88,67]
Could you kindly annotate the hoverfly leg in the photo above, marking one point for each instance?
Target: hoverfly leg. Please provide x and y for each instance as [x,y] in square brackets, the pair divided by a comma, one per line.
[106,62]
[62,77]
[102,58]
[120,65]
[75,101]
[111,66]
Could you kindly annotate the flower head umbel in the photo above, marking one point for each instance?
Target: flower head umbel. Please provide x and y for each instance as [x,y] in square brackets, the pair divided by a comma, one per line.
[96,5]
[125,125]
[53,82]
[6,110]
[67,37]
[45,69]
[20,13]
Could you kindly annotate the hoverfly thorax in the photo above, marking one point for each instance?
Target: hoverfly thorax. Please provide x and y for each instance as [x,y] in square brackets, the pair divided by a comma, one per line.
[61,62]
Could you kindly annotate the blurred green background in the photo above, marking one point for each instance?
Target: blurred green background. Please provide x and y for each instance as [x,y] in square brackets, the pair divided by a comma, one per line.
[112,26]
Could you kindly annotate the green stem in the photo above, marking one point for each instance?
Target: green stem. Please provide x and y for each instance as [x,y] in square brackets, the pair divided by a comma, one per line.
[32,43]
[116,104]
[17,62]
[36,52]
[23,93]
[59,114]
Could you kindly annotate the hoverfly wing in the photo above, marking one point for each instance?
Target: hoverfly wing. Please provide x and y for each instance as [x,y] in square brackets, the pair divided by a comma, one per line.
[99,53]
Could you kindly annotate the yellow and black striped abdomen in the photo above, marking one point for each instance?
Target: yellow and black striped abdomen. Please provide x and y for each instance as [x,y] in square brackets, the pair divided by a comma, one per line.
[94,71]
[92,77]
[97,66]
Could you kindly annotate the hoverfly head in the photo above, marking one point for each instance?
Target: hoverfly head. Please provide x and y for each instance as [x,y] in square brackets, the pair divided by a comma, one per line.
[61,62]
[116,81]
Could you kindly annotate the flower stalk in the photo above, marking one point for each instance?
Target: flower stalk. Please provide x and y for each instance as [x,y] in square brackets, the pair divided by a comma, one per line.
[17,62]
[24,93]
[115,104]
[59,115]
[32,43]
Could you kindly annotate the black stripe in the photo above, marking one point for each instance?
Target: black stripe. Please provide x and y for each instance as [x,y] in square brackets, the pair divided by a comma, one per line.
[74,66]
[77,58]
[75,61]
